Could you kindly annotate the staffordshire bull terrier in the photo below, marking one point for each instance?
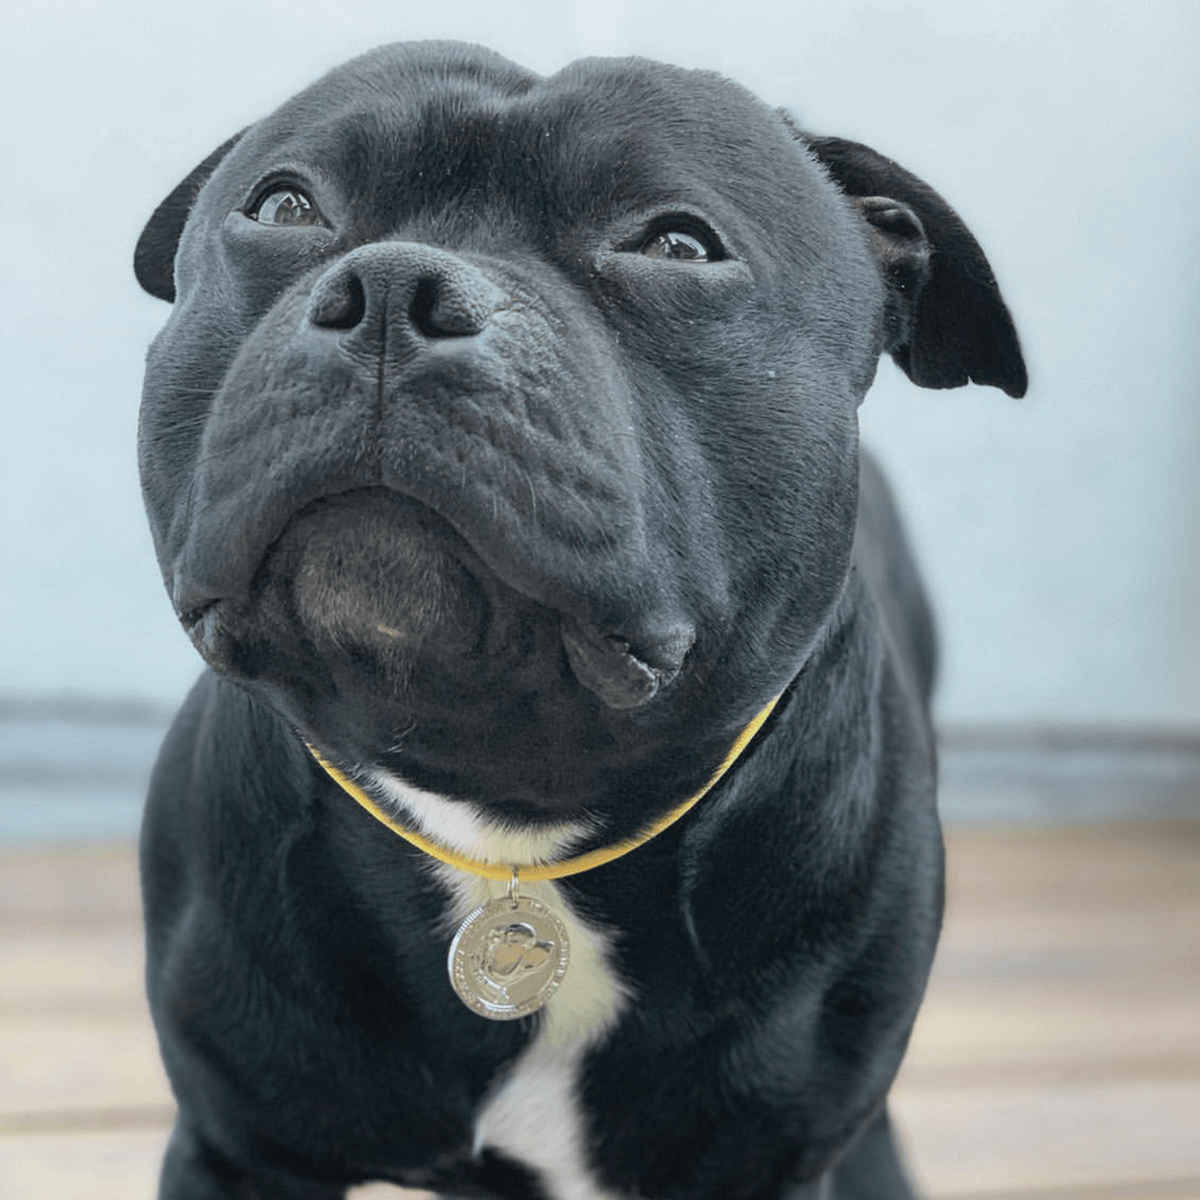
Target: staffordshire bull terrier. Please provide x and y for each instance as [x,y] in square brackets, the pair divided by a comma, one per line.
[555,819]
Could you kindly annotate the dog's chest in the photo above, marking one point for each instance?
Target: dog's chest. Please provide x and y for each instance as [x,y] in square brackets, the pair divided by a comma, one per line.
[532,1113]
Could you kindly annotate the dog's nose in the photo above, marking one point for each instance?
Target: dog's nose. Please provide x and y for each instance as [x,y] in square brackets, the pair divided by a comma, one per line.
[432,292]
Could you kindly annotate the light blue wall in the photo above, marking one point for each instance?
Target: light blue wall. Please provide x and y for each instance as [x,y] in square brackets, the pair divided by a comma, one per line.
[1060,533]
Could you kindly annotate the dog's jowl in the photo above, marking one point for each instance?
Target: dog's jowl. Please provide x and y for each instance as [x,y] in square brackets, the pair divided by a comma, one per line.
[555,818]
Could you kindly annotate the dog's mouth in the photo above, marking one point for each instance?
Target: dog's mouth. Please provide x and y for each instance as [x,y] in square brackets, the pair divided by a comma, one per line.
[373,591]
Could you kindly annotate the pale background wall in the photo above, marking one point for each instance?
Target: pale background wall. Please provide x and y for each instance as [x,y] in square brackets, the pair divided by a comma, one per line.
[1059,533]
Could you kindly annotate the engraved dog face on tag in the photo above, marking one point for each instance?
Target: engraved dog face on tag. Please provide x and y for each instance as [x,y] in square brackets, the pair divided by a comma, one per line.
[514,951]
[508,958]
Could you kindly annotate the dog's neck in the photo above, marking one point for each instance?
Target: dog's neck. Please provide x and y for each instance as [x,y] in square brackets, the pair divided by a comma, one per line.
[464,839]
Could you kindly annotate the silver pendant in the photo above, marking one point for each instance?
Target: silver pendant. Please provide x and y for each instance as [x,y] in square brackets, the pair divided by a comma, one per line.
[508,957]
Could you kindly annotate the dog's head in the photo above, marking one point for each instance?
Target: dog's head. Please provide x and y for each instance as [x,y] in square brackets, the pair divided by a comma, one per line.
[504,431]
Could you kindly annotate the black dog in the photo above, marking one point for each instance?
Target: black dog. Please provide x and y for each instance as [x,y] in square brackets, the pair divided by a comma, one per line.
[502,447]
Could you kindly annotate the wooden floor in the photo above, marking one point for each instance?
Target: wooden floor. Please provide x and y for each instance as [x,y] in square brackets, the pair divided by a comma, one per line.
[1058,1056]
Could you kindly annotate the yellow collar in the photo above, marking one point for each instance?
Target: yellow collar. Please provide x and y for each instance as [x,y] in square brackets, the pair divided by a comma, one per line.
[558,870]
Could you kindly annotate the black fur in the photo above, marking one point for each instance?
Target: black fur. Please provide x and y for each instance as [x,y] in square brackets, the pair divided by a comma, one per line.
[462,485]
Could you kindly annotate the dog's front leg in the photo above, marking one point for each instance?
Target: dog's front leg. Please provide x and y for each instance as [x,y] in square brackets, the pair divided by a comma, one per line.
[193,1170]
[870,1170]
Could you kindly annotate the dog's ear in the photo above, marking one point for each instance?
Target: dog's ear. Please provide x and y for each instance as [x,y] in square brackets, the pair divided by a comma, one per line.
[947,322]
[154,257]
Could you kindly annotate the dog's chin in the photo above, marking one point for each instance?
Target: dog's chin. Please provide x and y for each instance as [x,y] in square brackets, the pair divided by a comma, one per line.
[378,578]
[376,630]
[367,592]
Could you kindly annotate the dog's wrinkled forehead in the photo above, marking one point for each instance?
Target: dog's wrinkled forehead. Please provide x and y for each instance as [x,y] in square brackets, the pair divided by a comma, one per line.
[433,131]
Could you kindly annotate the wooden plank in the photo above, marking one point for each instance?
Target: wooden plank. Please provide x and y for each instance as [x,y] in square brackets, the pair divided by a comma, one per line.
[69,887]
[968,1140]
[54,1070]
[75,1037]
[109,1165]
[1059,1048]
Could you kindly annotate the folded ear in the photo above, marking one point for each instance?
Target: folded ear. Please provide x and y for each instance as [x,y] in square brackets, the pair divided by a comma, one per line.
[154,257]
[947,323]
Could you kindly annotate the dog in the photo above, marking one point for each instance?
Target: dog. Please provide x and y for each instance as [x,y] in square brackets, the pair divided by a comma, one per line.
[555,818]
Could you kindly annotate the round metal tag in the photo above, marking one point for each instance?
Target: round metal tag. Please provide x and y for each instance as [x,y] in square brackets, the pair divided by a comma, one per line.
[508,958]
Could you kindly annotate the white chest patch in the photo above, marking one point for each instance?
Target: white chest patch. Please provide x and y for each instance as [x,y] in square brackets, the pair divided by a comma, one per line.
[532,1115]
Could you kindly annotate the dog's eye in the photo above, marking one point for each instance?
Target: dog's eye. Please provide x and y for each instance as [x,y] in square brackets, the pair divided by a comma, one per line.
[678,246]
[285,205]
